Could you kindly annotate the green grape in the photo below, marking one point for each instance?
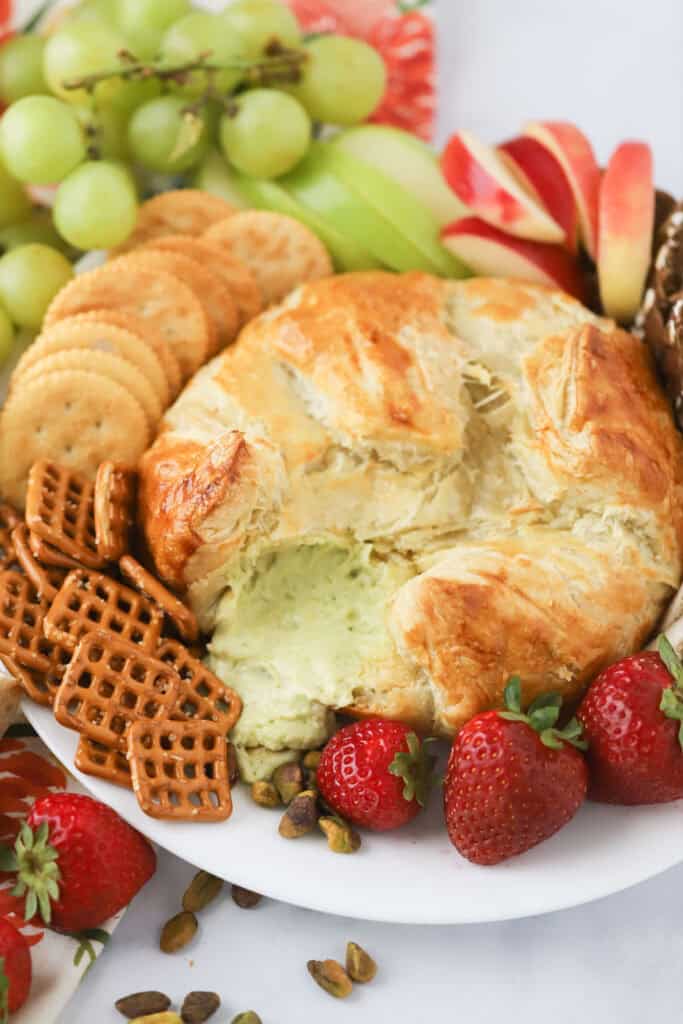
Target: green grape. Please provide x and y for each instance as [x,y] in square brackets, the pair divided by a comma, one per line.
[144,22]
[30,277]
[6,336]
[214,175]
[83,47]
[261,22]
[41,139]
[267,135]
[132,94]
[96,206]
[106,11]
[21,68]
[204,33]
[343,81]
[106,132]
[162,138]
[39,227]
[212,111]
[14,202]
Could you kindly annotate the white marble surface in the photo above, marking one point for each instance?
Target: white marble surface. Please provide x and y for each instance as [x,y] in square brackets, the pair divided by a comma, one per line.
[613,66]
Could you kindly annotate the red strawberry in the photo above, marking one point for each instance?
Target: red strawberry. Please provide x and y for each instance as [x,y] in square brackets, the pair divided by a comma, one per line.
[375,774]
[15,969]
[513,779]
[82,864]
[633,718]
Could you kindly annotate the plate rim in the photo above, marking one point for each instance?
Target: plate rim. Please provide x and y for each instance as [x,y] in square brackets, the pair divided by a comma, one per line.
[427,915]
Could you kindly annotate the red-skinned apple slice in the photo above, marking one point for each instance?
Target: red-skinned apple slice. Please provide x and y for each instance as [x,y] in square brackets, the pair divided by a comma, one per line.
[575,154]
[541,174]
[626,221]
[493,253]
[480,179]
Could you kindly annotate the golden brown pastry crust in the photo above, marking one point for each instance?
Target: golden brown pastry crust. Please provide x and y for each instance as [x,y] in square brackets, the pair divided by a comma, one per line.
[514,448]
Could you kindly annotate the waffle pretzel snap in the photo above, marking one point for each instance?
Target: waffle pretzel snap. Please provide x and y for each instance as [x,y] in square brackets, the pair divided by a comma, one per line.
[60,511]
[37,663]
[109,685]
[47,579]
[114,498]
[47,554]
[9,520]
[110,764]
[203,696]
[91,602]
[150,715]
[180,770]
[178,614]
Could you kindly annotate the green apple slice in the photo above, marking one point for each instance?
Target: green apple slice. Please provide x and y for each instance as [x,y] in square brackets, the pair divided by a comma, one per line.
[413,221]
[327,181]
[408,161]
[346,253]
[215,176]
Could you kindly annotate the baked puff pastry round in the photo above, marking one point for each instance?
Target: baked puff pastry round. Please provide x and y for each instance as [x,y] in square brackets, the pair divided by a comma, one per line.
[394,492]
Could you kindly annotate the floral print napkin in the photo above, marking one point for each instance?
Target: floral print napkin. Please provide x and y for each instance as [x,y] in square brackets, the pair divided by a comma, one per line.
[28,771]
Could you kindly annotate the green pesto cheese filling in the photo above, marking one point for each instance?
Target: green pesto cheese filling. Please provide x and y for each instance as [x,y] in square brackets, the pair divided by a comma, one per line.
[296,632]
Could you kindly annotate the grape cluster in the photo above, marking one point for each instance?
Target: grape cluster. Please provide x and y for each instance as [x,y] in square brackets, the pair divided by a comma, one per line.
[124,88]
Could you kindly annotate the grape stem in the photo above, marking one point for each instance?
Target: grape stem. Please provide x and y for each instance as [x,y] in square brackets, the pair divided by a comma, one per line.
[284,65]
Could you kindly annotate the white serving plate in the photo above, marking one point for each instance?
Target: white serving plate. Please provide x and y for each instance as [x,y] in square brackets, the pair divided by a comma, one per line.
[413,876]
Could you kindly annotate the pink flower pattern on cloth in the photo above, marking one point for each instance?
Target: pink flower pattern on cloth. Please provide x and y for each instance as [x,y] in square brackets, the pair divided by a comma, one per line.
[405,36]
[28,771]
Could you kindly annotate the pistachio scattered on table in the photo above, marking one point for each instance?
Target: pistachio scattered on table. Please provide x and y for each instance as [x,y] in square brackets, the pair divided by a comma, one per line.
[248,1017]
[265,794]
[202,890]
[288,780]
[245,898]
[140,1004]
[301,816]
[331,977]
[360,966]
[341,837]
[177,932]
[158,1018]
[199,1006]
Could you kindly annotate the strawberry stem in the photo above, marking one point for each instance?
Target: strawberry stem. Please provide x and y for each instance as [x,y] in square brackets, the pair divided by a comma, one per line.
[671,702]
[37,870]
[415,766]
[542,716]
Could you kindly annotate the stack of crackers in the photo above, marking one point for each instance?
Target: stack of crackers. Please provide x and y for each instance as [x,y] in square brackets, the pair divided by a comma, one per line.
[116,662]
[118,343]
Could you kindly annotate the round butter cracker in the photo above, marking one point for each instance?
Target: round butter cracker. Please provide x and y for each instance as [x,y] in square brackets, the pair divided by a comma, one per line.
[281,252]
[185,211]
[107,365]
[87,333]
[73,417]
[211,291]
[233,271]
[161,300]
[170,367]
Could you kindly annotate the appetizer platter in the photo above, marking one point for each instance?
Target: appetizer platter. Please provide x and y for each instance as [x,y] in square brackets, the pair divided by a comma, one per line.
[341,479]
